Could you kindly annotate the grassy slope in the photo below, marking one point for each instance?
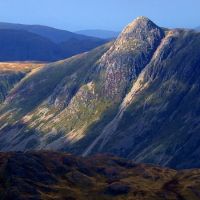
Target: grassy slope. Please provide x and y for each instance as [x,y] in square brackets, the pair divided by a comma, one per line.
[35,93]
[44,81]
[12,73]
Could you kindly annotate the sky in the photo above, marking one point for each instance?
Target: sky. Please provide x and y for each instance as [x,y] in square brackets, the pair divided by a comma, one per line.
[77,15]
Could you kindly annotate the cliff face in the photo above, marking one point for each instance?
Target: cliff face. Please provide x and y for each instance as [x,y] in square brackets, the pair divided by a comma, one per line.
[131,52]
[137,97]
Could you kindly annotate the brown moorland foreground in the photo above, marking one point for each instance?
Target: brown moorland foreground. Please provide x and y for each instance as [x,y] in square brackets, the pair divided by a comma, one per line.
[19,66]
[53,175]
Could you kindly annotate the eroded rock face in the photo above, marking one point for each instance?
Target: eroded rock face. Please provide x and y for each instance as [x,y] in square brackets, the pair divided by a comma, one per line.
[131,52]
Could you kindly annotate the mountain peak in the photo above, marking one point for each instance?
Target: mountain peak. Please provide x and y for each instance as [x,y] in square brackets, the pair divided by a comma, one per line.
[140,23]
[125,59]
[143,18]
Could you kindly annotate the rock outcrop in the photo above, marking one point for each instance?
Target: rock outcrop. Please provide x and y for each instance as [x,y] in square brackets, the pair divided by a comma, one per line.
[130,53]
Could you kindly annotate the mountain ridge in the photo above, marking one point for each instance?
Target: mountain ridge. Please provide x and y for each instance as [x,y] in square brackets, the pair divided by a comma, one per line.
[130,98]
[54,34]
[40,43]
[104,34]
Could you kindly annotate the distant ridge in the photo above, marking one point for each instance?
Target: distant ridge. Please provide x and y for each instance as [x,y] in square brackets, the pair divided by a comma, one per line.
[105,34]
[20,42]
[54,34]
[197,28]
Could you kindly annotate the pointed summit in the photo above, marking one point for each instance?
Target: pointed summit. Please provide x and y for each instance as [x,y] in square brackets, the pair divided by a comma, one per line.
[140,26]
[129,54]
[143,19]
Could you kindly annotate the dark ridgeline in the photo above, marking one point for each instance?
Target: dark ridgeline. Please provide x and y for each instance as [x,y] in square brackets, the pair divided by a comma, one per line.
[40,43]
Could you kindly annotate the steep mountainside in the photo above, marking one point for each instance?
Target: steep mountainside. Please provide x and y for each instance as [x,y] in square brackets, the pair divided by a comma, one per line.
[51,175]
[22,45]
[137,97]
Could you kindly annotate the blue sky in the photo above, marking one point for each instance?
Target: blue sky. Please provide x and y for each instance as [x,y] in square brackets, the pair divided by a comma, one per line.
[100,14]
